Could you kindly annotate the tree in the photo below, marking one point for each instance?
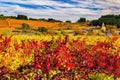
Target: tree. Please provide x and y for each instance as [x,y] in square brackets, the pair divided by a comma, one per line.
[42,29]
[118,23]
[2,17]
[25,26]
[108,20]
[95,23]
[12,17]
[53,20]
[34,19]
[42,19]
[68,21]
[81,20]
[22,17]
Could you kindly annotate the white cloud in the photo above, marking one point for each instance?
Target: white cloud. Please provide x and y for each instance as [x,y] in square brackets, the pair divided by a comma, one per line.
[83,8]
[40,2]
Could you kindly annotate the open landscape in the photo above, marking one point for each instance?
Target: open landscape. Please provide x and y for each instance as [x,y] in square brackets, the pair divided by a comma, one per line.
[59,48]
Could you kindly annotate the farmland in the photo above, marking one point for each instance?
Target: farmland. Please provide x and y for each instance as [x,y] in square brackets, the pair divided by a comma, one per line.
[59,39]
[14,23]
[17,23]
[59,57]
[38,49]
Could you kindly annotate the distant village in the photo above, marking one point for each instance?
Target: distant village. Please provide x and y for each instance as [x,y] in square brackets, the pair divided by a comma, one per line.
[101,30]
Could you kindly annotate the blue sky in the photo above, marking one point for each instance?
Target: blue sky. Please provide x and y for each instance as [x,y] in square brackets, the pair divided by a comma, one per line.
[60,9]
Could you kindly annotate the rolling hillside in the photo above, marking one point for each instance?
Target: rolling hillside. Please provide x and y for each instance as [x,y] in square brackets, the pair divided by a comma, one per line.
[13,23]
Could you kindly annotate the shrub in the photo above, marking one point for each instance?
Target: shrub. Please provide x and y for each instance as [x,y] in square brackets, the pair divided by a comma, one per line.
[25,26]
[42,29]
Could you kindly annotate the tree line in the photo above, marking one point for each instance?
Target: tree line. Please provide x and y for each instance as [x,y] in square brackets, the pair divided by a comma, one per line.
[108,20]
[24,17]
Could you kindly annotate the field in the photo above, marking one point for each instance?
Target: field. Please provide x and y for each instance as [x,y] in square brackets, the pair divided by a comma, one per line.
[57,53]
[59,39]
[17,23]
[49,57]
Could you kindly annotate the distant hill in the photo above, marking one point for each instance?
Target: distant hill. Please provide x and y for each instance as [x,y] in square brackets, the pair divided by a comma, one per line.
[14,23]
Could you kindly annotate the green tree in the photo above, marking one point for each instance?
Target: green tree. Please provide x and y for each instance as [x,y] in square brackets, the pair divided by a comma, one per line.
[42,29]
[68,21]
[25,26]
[42,19]
[95,23]
[53,20]
[12,17]
[2,17]
[108,20]
[81,20]
[34,19]
[22,17]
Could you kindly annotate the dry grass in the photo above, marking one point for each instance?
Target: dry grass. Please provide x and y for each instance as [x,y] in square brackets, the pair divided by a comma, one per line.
[11,24]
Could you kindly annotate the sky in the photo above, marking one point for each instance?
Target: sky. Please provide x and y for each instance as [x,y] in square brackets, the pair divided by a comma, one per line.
[60,9]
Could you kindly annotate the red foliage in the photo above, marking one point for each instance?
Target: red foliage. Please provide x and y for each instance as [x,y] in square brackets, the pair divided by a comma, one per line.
[78,57]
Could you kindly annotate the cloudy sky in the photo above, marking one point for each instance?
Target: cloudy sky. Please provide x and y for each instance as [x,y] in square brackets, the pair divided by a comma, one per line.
[60,9]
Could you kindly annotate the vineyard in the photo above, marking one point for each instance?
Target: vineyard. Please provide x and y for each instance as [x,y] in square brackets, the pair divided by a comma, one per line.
[49,57]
